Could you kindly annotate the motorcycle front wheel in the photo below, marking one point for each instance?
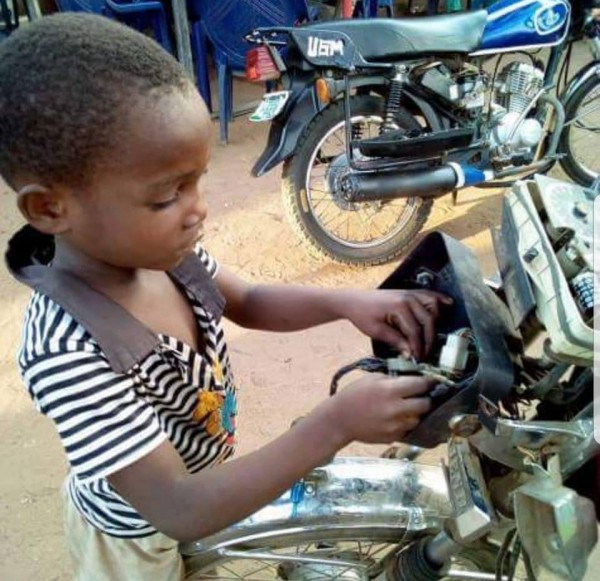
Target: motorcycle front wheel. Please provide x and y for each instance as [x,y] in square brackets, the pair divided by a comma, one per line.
[578,140]
[365,233]
[323,555]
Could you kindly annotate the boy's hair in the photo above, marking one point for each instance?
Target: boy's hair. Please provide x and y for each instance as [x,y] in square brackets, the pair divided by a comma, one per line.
[65,84]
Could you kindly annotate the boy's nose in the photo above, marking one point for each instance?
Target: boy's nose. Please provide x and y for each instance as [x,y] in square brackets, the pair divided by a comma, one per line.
[191,220]
[196,214]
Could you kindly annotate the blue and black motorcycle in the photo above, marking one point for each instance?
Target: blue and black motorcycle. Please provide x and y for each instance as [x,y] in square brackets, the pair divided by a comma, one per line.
[374,119]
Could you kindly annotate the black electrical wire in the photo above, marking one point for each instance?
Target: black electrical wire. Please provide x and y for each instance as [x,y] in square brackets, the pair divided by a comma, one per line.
[370,364]
[563,75]
[503,553]
[516,552]
[528,566]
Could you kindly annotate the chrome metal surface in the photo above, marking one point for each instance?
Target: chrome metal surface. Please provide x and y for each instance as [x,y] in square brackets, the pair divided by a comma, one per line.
[355,225]
[521,83]
[573,441]
[478,576]
[441,548]
[347,495]
[264,556]
[556,526]
[473,511]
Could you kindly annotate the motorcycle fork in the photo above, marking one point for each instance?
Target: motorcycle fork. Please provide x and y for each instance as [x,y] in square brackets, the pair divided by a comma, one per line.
[429,558]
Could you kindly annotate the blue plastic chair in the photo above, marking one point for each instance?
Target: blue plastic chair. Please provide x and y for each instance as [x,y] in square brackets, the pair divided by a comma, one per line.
[138,14]
[370,8]
[9,19]
[219,27]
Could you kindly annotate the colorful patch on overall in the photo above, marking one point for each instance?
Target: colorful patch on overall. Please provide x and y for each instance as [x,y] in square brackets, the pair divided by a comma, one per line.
[218,408]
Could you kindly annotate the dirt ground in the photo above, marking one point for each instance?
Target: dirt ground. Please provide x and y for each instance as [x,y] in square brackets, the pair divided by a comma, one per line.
[280,376]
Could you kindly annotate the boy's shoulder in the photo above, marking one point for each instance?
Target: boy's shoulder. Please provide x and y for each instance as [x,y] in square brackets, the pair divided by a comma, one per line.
[48,329]
[67,314]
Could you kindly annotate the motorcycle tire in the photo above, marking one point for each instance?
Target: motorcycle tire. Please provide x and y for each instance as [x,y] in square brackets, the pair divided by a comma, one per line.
[297,197]
[572,166]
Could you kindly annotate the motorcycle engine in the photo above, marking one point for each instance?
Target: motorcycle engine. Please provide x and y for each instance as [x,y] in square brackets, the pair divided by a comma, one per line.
[519,84]
[515,131]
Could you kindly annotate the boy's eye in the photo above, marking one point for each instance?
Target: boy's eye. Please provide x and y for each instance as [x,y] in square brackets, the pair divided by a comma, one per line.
[165,203]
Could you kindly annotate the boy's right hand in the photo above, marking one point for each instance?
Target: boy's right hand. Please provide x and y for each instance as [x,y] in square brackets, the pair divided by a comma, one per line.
[381,409]
[374,409]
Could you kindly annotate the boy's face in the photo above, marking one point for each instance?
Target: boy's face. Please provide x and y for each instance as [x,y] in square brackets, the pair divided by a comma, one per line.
[145,206]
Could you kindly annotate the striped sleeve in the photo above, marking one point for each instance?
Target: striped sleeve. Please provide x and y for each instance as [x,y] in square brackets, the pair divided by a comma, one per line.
[103,422]
[209,262]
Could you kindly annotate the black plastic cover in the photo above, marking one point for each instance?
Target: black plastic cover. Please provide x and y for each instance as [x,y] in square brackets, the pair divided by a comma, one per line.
[454,271]
[515,281]
[399,144]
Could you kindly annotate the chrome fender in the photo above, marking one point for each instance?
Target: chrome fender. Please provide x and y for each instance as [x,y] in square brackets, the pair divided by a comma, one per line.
[579,79]
[345,499]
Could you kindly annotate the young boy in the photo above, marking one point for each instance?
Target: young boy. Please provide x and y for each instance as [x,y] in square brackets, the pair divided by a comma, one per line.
[105,140]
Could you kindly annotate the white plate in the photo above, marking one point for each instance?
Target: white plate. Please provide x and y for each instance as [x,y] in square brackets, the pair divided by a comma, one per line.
[270,106]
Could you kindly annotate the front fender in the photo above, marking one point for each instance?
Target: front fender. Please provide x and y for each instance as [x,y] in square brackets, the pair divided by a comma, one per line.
[351,497]
[580,79]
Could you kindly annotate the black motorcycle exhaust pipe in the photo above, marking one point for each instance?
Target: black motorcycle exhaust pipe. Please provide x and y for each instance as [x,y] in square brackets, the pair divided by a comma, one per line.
[430,183]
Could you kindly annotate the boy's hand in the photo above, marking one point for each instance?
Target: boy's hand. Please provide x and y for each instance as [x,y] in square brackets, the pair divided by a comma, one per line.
[380,409]
[404,319]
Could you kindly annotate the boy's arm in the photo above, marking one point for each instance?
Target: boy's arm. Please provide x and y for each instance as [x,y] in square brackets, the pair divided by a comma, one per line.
[401,318]
[276,307]
[188,506]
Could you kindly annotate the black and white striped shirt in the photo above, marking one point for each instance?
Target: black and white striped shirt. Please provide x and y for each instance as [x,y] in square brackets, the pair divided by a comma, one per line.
[116,391]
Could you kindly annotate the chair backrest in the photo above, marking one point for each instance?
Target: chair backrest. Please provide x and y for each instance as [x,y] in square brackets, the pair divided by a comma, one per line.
[226,22]
[9,19]
[94,6]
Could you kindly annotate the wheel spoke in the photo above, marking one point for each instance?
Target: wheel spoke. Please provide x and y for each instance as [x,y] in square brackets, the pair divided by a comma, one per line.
[369,222]
[582,127]
[341,141]
[342,225]
[351,560]
[333,222]
[334,217]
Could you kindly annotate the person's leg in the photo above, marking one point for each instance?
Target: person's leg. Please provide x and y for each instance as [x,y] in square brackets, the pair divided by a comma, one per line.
[99,557]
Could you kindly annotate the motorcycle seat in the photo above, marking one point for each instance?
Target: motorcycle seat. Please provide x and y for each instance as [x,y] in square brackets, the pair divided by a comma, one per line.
[387,39]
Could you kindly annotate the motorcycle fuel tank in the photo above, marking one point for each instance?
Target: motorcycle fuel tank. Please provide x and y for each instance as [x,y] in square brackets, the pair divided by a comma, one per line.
[521,24]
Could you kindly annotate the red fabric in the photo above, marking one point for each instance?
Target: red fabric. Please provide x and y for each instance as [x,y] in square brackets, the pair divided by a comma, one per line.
[347,8]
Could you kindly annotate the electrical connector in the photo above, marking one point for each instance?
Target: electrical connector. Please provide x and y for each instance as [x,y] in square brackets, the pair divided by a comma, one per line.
[454,354]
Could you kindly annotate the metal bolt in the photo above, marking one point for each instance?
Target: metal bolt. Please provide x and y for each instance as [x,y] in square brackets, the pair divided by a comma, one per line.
[424,279]
[580,210]
[464,425]
[309,489]
[530,255]
[554,544]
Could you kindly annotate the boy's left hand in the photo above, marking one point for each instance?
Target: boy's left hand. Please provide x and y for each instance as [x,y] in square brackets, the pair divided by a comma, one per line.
[402,318]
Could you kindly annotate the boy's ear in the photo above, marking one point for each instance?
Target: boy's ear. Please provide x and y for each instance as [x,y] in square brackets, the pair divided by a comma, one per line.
[44,208]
